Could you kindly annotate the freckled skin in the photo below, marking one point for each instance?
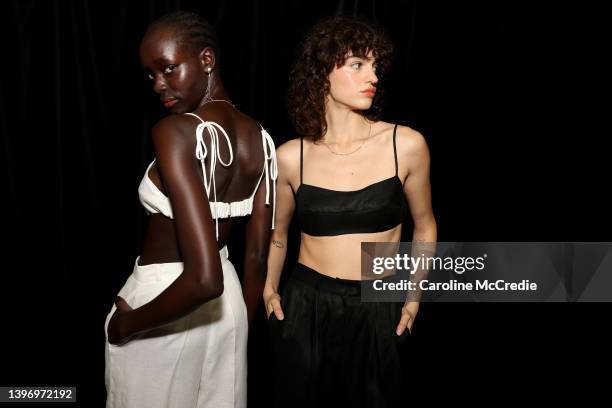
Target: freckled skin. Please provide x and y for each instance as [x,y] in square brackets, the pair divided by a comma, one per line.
[179,72]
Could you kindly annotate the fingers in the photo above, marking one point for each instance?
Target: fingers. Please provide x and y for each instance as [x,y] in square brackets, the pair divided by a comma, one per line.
[279,312]
[404,323]
[119,301]
[274,306]
[122,304]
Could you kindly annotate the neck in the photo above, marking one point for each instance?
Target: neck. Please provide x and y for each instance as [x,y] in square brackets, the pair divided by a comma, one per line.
[344,125]
[217,91]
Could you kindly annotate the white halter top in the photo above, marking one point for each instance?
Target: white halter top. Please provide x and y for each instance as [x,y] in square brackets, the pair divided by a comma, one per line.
[154,201]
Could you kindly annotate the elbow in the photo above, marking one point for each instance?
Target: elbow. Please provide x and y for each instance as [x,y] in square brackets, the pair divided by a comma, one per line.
[426,227]
[209,291]
[259,258]
[210,288]
[214,290]
[256,263]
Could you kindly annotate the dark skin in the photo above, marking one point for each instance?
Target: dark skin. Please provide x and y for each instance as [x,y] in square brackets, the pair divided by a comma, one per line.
[180,74]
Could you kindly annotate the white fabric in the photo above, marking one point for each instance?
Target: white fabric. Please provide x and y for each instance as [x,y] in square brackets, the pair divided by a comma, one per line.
[154,201]
[272,172]
[196,361]
[202,152]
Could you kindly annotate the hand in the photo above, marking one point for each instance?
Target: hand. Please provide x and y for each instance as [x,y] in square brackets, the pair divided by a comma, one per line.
[409,311]
[114,325]
[273,305]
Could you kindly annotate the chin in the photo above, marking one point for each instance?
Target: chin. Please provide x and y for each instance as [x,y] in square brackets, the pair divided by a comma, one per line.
[177,110]
[362,106]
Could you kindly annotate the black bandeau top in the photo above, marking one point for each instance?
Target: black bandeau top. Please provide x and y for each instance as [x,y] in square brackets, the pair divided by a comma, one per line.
[375,208]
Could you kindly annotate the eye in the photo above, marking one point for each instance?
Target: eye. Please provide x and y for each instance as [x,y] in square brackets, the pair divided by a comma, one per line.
[374,68]
[149,76]
[168,70]
[356,65]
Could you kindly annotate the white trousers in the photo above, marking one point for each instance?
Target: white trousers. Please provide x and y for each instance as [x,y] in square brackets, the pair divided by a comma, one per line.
[196,361]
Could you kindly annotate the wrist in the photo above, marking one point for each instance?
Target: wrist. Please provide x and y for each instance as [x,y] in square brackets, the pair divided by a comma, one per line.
[124,326]
[412,307]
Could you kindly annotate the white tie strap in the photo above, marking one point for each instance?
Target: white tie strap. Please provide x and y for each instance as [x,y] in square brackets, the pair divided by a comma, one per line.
[271,170]
[220,209]
[202,152]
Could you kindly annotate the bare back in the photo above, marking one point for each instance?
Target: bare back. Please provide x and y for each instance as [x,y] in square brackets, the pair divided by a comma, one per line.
[233,183]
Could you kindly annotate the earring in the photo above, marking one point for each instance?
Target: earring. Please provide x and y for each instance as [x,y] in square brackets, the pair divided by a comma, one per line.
[209,81]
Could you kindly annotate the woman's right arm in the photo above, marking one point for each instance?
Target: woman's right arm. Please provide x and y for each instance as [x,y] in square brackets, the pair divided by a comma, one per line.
[288,157]
[202,276]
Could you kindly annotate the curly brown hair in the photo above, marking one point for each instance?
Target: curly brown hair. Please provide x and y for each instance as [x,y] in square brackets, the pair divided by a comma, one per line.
[325,47]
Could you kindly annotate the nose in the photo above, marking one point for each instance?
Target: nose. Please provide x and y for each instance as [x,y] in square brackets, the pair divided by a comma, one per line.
[372,78]
[159,85]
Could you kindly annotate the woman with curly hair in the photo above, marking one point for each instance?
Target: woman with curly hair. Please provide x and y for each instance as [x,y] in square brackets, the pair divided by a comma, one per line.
[348,177]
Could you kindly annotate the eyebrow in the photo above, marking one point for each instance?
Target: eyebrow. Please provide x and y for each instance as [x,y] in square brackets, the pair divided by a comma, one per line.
[363,58]
[158,61]
[161,60]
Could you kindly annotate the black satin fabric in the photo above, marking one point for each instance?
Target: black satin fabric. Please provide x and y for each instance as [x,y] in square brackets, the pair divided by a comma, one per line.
[377,207]
[332,350]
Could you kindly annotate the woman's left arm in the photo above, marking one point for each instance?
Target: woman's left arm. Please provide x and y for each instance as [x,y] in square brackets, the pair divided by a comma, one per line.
[258,230]
[413,154]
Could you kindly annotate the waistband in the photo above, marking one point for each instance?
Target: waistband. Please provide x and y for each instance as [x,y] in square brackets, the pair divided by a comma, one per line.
[164,272]
[316,280]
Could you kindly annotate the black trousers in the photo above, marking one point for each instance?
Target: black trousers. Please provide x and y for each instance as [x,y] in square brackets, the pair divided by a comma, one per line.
[331,349]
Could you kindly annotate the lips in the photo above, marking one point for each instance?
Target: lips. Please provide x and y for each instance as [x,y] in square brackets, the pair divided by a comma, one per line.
[169,102]
[369,92]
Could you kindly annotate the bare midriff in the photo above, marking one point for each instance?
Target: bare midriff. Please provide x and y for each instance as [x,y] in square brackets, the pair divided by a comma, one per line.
[340,256]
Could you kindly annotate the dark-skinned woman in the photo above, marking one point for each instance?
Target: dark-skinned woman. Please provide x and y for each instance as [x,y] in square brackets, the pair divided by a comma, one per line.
[177,334]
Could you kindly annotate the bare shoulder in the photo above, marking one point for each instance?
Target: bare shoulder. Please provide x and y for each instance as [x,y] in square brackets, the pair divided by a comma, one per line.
[174,131]
[288,156]
[411,142]
[289,152]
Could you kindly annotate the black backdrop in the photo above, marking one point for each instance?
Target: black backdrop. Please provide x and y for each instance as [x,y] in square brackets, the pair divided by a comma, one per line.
[506,95]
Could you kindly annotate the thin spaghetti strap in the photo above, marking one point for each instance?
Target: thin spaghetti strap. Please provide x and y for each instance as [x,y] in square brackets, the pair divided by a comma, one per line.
[301,160]
[395,150]
[195,116]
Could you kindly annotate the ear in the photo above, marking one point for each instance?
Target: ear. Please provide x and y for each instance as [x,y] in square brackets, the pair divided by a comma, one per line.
[207,58]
